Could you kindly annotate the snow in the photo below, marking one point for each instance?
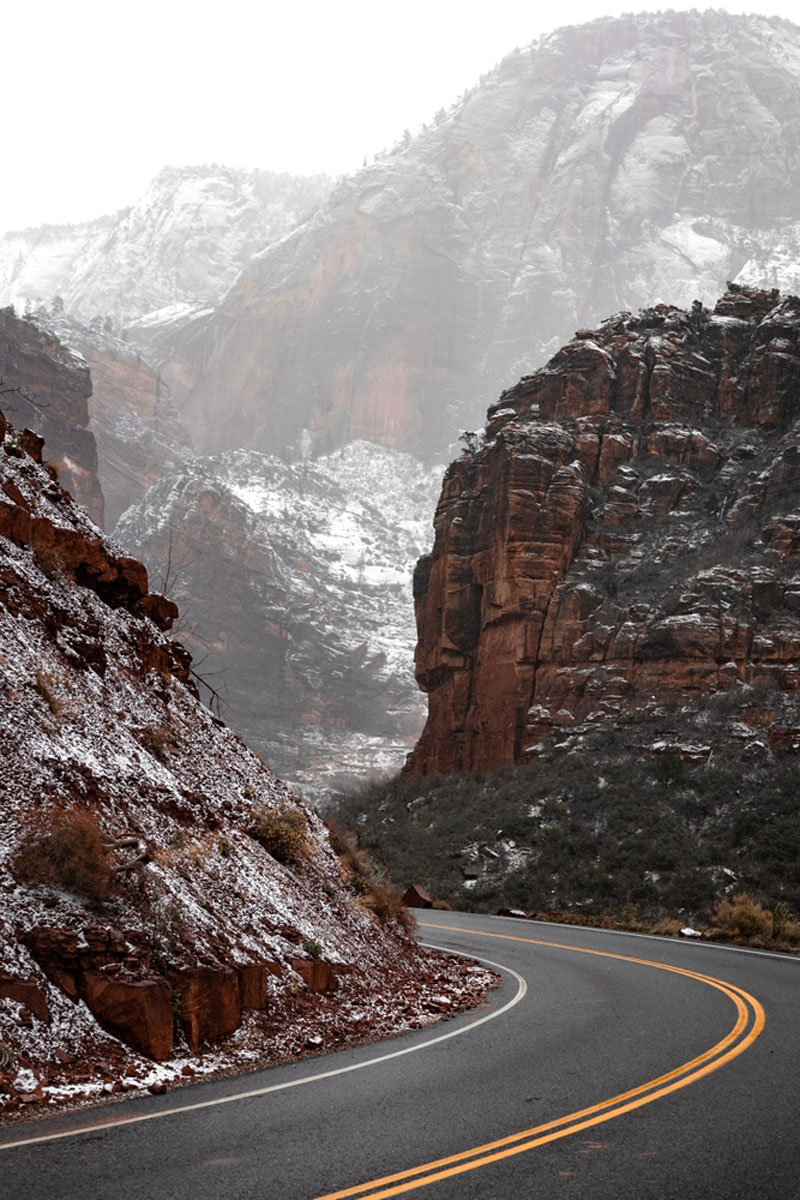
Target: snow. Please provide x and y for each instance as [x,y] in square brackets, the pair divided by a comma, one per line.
[339,537]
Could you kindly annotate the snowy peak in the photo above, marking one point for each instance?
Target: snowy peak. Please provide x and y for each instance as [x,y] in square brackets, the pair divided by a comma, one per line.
[183,242]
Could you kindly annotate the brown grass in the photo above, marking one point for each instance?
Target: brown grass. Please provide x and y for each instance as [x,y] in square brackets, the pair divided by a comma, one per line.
[45,686]
[70,854]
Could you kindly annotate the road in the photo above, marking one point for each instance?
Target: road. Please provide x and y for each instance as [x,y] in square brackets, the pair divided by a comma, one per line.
[606,1066]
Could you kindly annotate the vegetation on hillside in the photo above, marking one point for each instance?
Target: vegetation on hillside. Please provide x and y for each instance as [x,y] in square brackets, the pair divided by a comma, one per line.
[612,827]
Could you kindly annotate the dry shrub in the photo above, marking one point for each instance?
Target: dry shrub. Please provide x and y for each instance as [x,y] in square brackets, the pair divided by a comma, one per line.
[357,864]
[742,917]
[157,740]
[45,686]
[387,904]
[668,927]
[71,855]
[442,906]
[790,933]
[282,832]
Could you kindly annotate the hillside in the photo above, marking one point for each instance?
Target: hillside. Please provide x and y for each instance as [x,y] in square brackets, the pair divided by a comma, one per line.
[162,890]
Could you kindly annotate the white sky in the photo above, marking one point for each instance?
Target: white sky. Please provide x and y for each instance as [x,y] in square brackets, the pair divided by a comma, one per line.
[105,94]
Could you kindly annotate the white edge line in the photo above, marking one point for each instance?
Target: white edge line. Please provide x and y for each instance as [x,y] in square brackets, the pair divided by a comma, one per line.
[99,1126]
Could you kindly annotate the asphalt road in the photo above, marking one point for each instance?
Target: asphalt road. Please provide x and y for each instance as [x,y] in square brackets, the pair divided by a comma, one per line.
[598,1075]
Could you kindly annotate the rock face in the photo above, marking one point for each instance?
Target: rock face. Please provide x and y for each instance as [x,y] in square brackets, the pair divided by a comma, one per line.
[159,887]
[628,161]
[139,433]
[295,583]
[181,245]
[47,387]
[625,538]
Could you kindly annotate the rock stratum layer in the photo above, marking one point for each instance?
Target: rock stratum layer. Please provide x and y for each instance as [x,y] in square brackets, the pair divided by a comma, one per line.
[625,542]
[627,161]
[159,887]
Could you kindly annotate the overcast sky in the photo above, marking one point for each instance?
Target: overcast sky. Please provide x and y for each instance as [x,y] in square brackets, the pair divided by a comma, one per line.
[101,95]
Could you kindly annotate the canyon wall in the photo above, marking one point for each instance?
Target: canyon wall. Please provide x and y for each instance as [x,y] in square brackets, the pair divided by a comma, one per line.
[624,539]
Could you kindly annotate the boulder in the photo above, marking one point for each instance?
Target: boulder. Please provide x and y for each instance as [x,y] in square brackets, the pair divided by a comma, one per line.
[139,1012]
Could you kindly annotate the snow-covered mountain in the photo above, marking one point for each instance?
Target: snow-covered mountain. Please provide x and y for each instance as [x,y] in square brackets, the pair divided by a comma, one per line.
[181,244]
[295,581]
[606,167]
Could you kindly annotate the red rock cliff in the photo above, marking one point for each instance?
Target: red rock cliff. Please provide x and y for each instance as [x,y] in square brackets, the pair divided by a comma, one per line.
[47,387]
[627,536]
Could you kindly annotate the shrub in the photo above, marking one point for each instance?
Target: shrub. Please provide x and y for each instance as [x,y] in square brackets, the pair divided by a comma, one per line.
[742,917]
[70,855]
[356,861]
[442,906]
[311,948]
[282,832]
[387,905]
[156,740]
[45,686]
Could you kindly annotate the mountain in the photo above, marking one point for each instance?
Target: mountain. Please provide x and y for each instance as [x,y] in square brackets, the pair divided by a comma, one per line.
[161,889]
[622,544]
[618,164]
[295,581]
[179,247]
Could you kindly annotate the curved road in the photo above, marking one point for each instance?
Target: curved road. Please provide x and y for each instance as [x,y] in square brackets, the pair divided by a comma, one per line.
[606,1066]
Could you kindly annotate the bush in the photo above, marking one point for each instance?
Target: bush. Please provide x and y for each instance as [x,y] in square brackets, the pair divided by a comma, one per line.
[157,740]
[356,862]
[743,918]
[45,686]
[282,832]
[70,855]
[387,905]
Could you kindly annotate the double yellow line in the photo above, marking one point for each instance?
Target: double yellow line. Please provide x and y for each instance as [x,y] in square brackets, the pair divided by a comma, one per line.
[747,1027]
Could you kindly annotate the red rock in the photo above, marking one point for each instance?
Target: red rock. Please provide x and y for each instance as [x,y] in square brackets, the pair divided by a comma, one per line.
[210,1003]
[416,897]
[27,992]
[521,626]
[319,976]
[253,985]
[138,1012]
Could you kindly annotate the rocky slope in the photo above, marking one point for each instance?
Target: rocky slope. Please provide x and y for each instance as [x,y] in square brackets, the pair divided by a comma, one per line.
[180,246]
[161,890]
[624,543]
[628,161]
[295,580]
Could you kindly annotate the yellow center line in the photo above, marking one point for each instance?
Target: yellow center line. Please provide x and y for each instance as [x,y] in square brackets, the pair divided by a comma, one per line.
[735,1042]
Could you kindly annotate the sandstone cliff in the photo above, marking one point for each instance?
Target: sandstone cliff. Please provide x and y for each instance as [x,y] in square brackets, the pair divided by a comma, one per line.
[46,386]
[160,888]
[625,540]
[627,161]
